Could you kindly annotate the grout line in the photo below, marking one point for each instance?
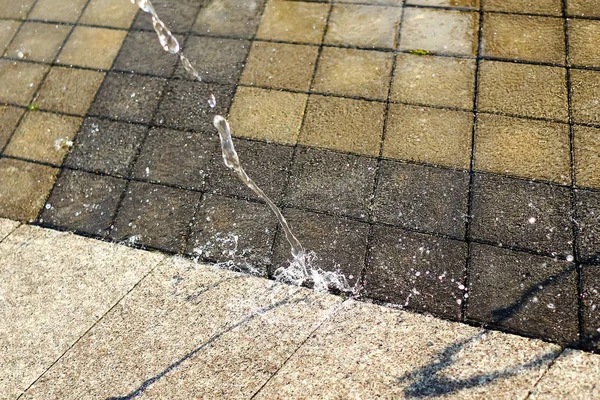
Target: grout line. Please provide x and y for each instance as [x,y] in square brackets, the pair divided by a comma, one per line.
[546,370]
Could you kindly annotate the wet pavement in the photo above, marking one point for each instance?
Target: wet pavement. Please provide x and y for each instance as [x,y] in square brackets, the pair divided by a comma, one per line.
[443,154]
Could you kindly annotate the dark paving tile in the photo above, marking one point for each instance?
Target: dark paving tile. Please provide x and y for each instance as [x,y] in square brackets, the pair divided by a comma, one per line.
[416,271]
[525,293]
[83,202]
[178,15]
[237,233]
[128,97]
[175,157]
[106,146]
[231,18]
[332,182]
[339,244]
[141,52]
[591,304]
[519,213]
[587,218]
[157,216]
[266,163]
[215,59]
[185,105]
[419,197]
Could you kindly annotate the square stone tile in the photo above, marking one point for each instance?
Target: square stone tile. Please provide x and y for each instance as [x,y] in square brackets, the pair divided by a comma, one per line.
[280,66]
[339,244]
[237,233]
[525,293]
[591,305]
[293,21]
[185,105]
[430,80]
[586,142]
[446,3]
[83,202]
[267,114]
[112,13]
[523,90]
[178,15]
[38,41]
[141,52]
[8,28]
[127,97]
[574,373]
[9,118]
[156,216]
[106,146]
[415,271]
[341,184]
[429,135]
[587,222]
[582,33]
[585,95]
[424,198]
[57,10]
[19,81]
[45,137]
[215,59]
[514,212]
[92,47]
[15,9]
[266,163]
[69,90]
[546,7]
[23,188]
[363,26]
[523,37]
[347,125]
[351,72]
[176,158]
[583,8]
[527,148]
[439,31]
[232,18]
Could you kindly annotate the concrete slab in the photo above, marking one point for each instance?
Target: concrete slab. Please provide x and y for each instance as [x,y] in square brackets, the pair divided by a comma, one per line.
[6,227]
[54,286]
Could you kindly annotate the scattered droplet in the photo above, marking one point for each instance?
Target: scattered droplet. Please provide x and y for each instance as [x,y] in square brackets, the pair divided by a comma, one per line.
[212,102]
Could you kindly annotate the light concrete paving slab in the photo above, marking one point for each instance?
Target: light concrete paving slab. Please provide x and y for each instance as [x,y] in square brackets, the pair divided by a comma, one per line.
[574,375]
[367,351]
[188,331]
[6,227]
[53,287]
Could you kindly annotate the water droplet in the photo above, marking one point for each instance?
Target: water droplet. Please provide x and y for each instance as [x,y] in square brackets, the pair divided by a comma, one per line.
[212,102]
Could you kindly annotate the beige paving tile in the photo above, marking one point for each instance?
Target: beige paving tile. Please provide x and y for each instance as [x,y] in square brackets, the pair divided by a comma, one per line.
[24,188]
[440,31]
[189,331]
[523,90]
[69,90]
[57,10]
[43,137]
[92,47]
[439,81]
[363,26]
[429,135]
[524,37]
[280,65]
[351,72]
[9,117]
[6,227]
[293,21]
[574,375]
[113,13]
[8,28]
[19,81]
[38,41]
[343,124]
[546,7]
[526,148]
[365,351]
[55,286]
[379,2]
[583,8]
[446,3]
[585,96]
[267,114]
[15,9]
[582,36]
[587,156]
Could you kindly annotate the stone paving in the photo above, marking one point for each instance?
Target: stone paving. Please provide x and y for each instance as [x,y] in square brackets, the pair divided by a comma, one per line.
[442,153]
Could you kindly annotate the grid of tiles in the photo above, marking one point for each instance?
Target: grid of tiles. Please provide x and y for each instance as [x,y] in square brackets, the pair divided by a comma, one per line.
[443,153]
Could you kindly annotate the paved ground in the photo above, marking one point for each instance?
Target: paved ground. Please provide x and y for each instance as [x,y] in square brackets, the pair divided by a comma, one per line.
[88,319]
[444,154]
